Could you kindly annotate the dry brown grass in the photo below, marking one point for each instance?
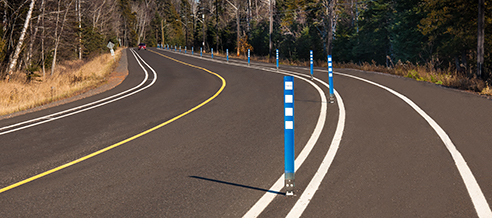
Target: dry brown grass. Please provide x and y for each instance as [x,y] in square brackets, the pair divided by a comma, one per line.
[70,78]
[487,91]
[426,73]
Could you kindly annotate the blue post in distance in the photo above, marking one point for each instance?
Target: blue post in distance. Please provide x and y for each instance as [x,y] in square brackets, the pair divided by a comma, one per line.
[248,58]
[227,54]
[289,134]
[185,49]
[174,48]
[277,58]
[330,79]
[212,50]
[201,54]
[311,62]
[191,50]
[180,49]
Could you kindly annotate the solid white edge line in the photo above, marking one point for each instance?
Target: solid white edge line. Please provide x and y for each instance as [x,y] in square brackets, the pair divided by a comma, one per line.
[79,109]
[478,199]
[320,174]
[268,197]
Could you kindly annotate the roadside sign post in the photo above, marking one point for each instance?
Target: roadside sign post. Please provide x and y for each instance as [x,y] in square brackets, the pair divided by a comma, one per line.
[311,62]
[330,79]
[227,54]
[180,49]
[191,50]
[212,50]
[289,134]
[111,46]
[201,54]
[185,49]
[277,58]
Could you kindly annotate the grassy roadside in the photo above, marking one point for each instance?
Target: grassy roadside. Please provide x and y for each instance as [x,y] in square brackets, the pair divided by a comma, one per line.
[70,78]
[420,73]
[427,74]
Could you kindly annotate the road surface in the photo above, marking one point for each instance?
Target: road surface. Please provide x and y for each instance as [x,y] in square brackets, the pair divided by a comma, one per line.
[223,149]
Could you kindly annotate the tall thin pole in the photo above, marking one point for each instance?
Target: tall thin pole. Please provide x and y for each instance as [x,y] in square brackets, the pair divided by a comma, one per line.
[80,30]
[216,23]
[162,31]
[289,155]
[42,41]
[248,16]
[481,33]
[203,28]
[271,28]
[238,28]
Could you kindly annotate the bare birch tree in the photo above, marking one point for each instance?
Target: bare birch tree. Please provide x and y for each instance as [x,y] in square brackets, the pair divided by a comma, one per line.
[13,61]
[236,6]
[59,31]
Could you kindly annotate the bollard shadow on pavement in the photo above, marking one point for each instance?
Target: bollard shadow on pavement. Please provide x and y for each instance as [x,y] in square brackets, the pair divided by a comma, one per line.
[238,185]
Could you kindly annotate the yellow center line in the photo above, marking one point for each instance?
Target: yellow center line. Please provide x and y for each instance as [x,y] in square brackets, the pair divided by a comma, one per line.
[129,139]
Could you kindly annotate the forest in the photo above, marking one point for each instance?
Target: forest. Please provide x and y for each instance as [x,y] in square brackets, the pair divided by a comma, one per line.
[452,36]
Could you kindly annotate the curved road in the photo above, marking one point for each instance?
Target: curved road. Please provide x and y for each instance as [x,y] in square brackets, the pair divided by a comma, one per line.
[218,160]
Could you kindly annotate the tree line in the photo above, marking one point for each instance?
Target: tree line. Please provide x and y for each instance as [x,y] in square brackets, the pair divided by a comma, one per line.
[452,35]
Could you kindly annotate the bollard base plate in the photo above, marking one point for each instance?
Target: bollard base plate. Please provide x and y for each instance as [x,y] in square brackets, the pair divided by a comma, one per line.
[289,187]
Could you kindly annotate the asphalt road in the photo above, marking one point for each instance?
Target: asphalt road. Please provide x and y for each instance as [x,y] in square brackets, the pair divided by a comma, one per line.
[218,160]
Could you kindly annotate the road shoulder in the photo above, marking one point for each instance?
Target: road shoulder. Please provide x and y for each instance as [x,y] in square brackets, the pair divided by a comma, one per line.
[115,78]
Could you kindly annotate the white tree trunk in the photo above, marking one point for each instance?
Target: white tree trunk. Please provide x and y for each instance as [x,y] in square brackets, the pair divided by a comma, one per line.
[481,33]
[13,61]
[33,37]
[80,29]
[270,30]
[58,36]
[42,44]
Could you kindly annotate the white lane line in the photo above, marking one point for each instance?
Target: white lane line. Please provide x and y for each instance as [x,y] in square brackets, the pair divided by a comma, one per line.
[320,174]
[479,201]
[268,197]
[50,116]
[79,109]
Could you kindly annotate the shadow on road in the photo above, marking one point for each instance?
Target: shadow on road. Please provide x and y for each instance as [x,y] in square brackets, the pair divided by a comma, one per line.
[239,185]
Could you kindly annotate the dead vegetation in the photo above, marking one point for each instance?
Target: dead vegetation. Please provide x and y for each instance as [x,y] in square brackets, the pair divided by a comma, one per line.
[427,73]
[28,90]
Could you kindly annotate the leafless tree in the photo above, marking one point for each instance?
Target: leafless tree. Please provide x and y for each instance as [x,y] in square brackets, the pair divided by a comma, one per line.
[13,61]
[60,25]
[481,38]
